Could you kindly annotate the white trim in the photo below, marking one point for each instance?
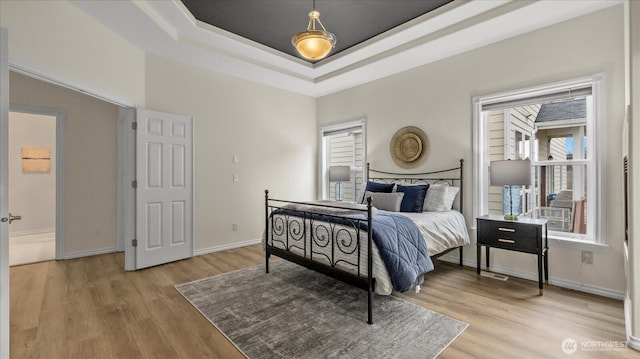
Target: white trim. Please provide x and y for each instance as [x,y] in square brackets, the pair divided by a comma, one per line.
[92,252]
[632,342]
[561,123]
[4,188]
[126,194]
[578,244]
[41,74]
[225,247]
[533,276]
[480,202]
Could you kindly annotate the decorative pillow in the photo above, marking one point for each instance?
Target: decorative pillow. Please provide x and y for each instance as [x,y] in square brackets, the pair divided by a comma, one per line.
[378,187]
[413,200]
[385,201]
[440,197]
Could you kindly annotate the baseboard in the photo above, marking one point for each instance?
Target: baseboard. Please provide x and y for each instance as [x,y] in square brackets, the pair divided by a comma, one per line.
[225,247]
[581,287]
[93,252]
[632,342]
[31,232]
[198,252]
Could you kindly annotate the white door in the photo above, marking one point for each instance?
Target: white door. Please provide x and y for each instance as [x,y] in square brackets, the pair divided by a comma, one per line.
[164,188]
[4,190]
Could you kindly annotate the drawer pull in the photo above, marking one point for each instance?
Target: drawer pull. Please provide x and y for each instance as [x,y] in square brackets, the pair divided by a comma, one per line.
[506,240]
[502,229]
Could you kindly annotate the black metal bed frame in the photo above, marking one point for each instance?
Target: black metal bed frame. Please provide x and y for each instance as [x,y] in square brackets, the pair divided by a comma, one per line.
[298,224]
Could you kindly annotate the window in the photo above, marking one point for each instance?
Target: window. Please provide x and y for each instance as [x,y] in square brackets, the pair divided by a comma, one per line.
[343,145]
[556,126]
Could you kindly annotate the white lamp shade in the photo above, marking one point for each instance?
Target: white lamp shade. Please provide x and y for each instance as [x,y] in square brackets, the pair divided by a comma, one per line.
[510,173]
[339,173]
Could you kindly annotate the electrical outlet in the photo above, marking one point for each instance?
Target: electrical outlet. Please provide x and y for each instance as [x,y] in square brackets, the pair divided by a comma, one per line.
[234,227]
[587,257]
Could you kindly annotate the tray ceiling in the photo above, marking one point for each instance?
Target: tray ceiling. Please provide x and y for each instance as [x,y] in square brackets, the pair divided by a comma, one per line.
[273,22]
[169,29]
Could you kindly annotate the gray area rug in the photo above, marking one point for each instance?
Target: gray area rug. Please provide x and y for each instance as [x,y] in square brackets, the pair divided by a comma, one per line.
[294,312]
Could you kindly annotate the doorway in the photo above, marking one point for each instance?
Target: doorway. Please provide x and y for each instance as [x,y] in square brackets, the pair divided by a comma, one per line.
[33,150]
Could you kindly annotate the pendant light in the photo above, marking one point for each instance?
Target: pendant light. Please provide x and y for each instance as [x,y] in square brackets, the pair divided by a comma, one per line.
[314,44]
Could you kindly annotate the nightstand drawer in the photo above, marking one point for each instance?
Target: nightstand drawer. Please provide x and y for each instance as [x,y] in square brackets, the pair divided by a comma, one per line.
[508,235]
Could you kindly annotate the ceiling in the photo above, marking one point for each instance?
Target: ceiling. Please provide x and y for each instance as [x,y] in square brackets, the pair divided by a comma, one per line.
[273,22]
[169,29]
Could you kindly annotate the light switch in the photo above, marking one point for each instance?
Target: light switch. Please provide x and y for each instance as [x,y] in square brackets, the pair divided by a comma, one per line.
[236,159]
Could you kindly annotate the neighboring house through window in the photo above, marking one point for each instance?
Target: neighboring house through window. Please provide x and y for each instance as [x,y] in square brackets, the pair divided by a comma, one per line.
[343,145]
[558,127]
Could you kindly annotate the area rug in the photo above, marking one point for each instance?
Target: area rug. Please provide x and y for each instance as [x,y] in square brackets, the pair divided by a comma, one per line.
[294,312]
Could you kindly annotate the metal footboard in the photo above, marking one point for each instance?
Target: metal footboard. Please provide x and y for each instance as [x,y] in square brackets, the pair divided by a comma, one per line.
[320,242]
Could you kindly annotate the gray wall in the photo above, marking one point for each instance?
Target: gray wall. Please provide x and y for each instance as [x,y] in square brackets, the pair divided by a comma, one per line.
[89,161]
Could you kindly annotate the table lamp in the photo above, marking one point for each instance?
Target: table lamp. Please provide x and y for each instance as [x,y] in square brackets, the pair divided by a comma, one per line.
[512,174]
[339,174]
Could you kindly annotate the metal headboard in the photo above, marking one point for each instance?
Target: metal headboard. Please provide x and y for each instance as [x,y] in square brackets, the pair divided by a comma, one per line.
[446,175]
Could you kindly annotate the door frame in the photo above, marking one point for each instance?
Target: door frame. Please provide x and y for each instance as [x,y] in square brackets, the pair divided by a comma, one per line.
[60,123]
[126,193]
[4,190]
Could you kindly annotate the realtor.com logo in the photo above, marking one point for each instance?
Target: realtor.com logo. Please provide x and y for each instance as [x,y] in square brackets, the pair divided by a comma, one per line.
[570,346]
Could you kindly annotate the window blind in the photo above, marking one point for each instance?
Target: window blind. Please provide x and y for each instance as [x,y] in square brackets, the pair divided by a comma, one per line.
[543,98]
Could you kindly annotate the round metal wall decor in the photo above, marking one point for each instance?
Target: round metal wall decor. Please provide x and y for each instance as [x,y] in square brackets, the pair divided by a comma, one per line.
[409,147]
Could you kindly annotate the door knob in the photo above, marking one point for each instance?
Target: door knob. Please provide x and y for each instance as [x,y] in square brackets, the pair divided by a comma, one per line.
[14,218]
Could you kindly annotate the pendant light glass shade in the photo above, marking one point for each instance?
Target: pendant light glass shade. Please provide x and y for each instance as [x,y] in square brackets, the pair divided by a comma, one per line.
[314,44]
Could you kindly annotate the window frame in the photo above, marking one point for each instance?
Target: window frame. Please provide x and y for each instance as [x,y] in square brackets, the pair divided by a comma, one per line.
[595,152]
[323,191]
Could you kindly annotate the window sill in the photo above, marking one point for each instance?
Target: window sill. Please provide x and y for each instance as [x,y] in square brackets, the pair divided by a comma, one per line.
[556,241]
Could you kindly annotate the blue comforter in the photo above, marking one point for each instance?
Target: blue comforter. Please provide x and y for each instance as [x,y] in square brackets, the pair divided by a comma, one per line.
[400,243]
[402,248]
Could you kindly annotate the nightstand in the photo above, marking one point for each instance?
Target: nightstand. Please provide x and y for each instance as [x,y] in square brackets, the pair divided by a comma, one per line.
[522,235]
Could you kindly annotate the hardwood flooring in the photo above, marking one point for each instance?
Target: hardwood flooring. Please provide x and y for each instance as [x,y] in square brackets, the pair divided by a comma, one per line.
[91,308]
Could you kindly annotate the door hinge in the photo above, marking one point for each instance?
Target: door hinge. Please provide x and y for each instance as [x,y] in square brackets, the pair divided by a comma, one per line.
[134,125]
[134,184]
[134,242]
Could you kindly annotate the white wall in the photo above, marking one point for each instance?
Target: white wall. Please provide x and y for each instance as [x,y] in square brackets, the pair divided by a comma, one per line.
[32,195]
[438,98]
[59,39]
[273,133]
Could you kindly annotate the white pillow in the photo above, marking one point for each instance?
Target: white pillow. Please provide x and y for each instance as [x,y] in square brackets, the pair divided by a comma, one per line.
[440,197]
[385,201]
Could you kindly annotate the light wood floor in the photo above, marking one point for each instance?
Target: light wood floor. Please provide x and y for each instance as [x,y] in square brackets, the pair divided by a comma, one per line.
[91,308]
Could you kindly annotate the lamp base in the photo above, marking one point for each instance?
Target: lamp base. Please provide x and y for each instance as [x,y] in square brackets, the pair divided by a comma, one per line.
[511,202]
[338,191]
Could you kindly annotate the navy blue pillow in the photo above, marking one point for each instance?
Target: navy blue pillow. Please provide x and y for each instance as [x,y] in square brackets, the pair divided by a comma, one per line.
[378,187]
[413,199]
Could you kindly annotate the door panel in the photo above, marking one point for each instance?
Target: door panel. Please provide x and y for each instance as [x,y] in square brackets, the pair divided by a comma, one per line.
[4,190]
[164,196]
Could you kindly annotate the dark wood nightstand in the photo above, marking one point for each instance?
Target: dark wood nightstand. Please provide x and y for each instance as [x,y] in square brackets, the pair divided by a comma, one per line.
[523,235]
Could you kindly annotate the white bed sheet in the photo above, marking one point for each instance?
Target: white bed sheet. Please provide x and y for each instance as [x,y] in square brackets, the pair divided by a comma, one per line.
[441,230]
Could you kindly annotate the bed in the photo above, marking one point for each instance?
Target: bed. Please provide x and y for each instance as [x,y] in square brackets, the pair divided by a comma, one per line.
[335,238]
